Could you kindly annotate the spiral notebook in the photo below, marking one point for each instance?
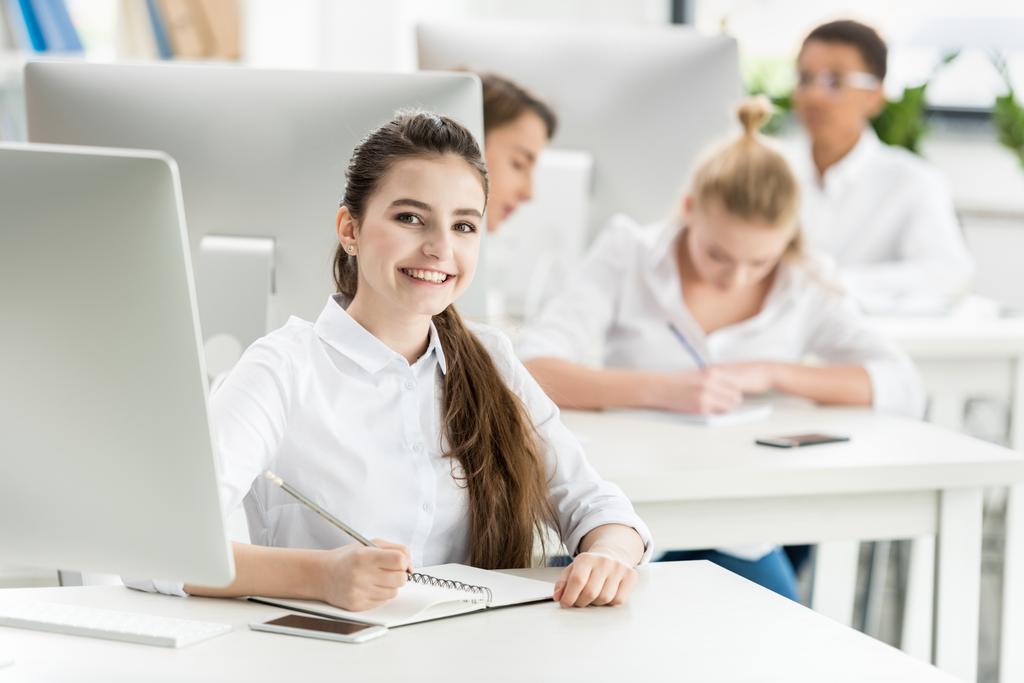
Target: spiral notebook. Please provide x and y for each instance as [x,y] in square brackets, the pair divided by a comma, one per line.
[437,592]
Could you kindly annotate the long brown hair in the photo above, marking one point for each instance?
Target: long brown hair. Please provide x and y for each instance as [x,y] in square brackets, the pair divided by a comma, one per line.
[749,179]
[487,428]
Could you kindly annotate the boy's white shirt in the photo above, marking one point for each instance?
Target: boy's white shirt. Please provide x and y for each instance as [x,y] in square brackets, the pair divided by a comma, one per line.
[886,216]
[627,290]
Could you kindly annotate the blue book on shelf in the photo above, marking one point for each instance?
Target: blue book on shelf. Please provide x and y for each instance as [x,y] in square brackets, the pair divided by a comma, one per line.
[24,25]
[53,19]
[163,42]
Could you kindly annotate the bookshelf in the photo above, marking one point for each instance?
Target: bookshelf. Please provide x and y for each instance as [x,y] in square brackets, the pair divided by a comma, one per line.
[12,98]
[108,30]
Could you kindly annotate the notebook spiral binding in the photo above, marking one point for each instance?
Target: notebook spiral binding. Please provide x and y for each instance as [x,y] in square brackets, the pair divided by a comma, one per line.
[428,580]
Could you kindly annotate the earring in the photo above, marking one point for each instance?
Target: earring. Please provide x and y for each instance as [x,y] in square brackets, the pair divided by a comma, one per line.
[350,249]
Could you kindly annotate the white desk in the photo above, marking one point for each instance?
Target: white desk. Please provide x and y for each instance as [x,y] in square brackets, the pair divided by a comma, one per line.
[961,356]
[700,487]
[687,621]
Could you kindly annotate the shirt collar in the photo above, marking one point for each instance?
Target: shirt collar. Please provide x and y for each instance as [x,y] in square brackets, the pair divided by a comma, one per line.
[337,328]
[663,240]
[855,161]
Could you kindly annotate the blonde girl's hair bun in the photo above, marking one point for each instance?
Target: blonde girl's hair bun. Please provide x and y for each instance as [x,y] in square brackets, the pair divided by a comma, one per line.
[754,113]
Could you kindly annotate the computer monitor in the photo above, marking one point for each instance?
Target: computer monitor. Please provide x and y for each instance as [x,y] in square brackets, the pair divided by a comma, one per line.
[262,154]
[539,245]
[108,461]
[645,102]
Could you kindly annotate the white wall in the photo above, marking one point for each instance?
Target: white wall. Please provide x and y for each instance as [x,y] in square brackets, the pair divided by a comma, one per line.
[987,182]
[378,34]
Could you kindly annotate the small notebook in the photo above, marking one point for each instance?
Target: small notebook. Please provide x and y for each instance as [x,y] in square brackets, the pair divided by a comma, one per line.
[747,412]
[435,593]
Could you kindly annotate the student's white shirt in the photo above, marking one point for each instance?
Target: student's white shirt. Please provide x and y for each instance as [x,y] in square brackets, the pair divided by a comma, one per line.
[351,424]
[887,218]
[628,289]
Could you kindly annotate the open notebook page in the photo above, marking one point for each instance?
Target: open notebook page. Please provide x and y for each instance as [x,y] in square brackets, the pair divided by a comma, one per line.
[751,411]
[416,603]
[746,412]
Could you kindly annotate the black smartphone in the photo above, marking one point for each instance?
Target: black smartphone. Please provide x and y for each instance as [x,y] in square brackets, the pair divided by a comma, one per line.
[327,629]
[797,440]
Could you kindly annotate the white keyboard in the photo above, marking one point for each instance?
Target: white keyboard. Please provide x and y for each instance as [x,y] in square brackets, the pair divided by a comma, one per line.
[110,624]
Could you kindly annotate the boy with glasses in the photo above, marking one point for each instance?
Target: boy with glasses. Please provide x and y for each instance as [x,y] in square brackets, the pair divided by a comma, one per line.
[883,213]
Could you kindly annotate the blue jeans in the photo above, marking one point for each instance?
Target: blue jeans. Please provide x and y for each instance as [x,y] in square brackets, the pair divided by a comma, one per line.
[773,571]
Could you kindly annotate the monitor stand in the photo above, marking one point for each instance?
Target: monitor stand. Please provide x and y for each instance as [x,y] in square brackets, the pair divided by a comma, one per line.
[234,282]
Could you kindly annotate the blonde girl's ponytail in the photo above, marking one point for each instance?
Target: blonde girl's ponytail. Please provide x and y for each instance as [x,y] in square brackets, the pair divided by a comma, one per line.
[753,114]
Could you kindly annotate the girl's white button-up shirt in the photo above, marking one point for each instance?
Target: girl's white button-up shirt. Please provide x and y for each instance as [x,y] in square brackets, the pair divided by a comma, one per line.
[352,425]
[628,289]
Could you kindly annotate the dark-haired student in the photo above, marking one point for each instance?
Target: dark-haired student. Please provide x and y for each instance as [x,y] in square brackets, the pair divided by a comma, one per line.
[884,214]
[517,127]
[402,420]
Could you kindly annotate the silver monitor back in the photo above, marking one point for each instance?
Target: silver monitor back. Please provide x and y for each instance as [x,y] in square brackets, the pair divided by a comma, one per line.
[108,463]
[645,102]
[262,152]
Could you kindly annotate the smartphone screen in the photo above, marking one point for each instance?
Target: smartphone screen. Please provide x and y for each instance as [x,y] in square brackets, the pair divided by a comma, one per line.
[339,626]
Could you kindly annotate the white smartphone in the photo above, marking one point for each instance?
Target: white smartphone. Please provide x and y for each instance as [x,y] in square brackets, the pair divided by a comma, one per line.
[329,629]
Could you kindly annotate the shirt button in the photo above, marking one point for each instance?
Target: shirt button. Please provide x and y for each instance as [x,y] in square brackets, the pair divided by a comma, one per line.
[426,507]
[410,385]
[417,447]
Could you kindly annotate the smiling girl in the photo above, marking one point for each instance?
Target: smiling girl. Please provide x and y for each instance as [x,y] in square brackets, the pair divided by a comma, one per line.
[400,419]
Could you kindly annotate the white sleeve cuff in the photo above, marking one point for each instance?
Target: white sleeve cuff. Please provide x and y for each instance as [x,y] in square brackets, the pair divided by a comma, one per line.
[572,544]
[896,388]
[156,586]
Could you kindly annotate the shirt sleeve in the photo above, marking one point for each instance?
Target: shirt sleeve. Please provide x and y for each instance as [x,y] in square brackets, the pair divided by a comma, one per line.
[572,323]
[933,266]
[582,500]
[248,415]
[841,335]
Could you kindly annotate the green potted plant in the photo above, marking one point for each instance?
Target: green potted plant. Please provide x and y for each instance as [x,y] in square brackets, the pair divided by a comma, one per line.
[1008,114]
[902,122]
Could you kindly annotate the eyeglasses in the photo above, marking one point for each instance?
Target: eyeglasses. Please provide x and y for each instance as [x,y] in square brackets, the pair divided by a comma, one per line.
[833,83]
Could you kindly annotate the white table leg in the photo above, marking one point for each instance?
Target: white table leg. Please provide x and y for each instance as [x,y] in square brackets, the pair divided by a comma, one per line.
[835,579]
[946,409]
[918,608]
[878,579]
[1011,654]
[1017,406]
[958,582]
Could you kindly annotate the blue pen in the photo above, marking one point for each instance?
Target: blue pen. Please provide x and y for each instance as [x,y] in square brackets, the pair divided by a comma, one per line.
[701,363]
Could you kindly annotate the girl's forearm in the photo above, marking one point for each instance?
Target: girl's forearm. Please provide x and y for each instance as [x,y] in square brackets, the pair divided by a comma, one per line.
[572,385]
[278,572]
[835,385]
